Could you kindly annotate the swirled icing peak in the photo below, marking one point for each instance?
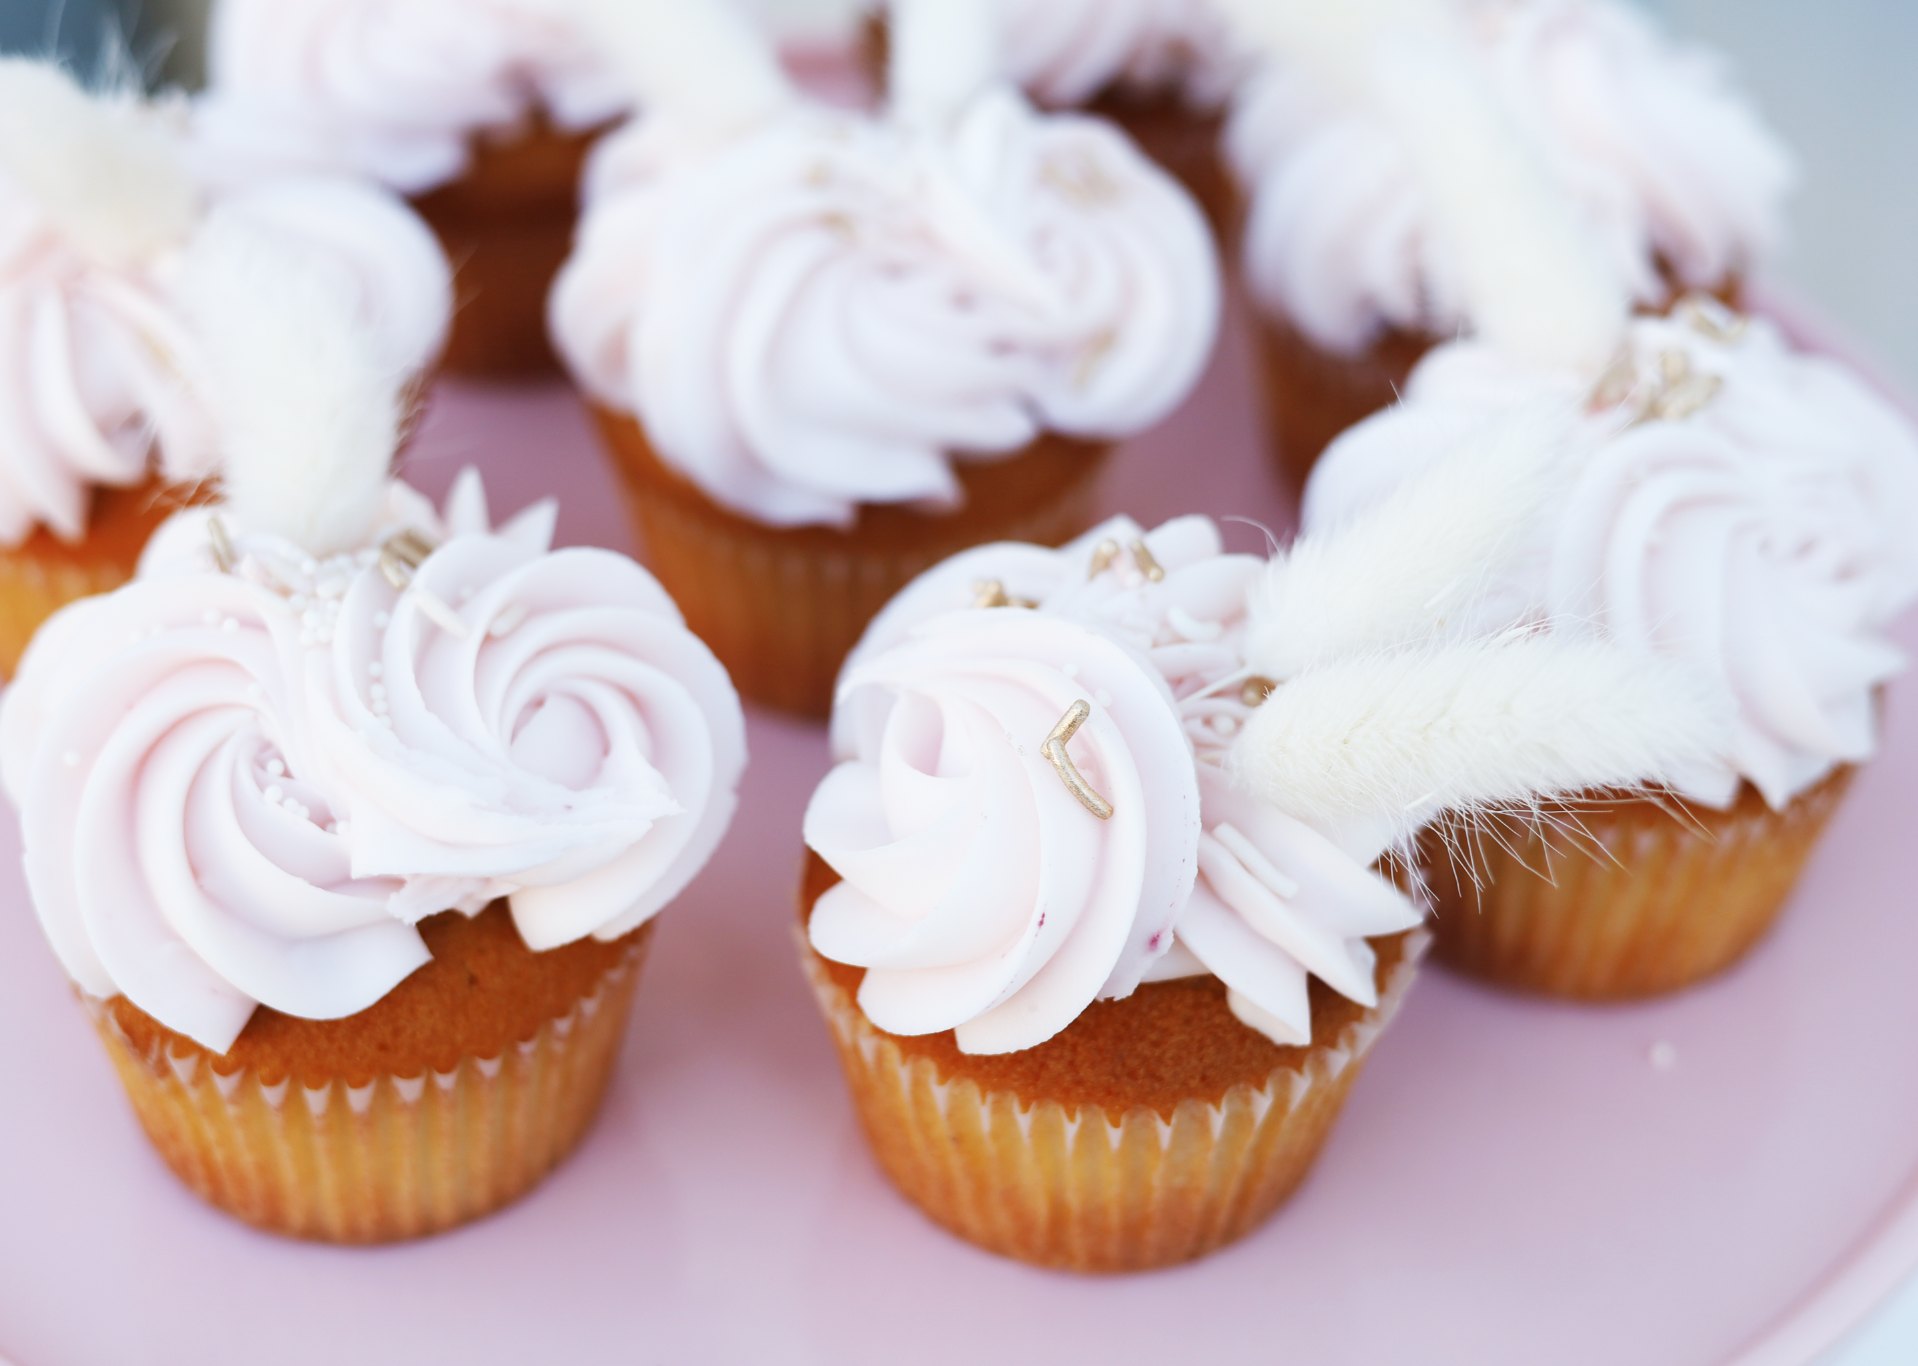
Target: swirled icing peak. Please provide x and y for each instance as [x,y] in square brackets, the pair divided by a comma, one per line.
[101,367]
[397,89]
[1737,506]
[1065,52]
[1670,171]
[828,309]
[249,786]
[981,894]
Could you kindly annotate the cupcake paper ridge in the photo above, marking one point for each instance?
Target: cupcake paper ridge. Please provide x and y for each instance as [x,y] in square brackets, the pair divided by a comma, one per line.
[246,787]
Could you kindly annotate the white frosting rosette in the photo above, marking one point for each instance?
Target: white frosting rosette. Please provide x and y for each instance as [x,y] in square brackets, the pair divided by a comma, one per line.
[396,89]
[1260,898]
[1065,52]
[101,375]
[1737,506]
[826,310]
[248,787]
[1668,166]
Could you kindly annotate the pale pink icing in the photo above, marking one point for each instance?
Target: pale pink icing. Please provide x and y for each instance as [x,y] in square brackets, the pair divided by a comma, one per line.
[827,309]
[1663,159]
[1188,627]
[247,788]
[1765,536]
[100,373]
[1065,52]
[396,89]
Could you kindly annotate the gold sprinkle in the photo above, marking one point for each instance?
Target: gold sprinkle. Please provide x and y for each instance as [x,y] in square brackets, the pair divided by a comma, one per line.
[1685,398]
[1255,690]
[1143,558]
[1103,554]
[1675,366]
[222,544]
[1712,319]
[989,593]
[1055,751]
[1615,385]
[1081,180]
[401,555]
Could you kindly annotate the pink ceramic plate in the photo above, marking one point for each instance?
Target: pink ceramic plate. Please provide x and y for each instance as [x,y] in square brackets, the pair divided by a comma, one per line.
[1514,1182]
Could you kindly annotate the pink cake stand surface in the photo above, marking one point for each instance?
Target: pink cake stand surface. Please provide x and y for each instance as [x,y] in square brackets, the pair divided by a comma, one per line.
[1514,1181]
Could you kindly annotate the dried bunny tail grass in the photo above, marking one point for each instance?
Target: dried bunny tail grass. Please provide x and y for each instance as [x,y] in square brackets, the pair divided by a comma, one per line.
[941,54]
[310,416]
[1464,727]
[1536,281]
[1411,568]
[698,60]
[96,165]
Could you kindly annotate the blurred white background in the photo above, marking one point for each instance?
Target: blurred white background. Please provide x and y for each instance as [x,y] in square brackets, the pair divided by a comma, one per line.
[1837,78]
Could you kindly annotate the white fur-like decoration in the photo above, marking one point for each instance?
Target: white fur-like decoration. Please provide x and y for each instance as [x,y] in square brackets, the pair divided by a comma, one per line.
[941,53]
[310,414]
[108,179]
[698,60]
[1394,740]
[1536,281]
[1418,566]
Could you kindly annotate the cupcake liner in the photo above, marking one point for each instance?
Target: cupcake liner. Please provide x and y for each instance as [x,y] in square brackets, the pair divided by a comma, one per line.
[44,573]
[507,226]
[1074,1188]
[387,1157]
[782,606]
[1311,395]
[1670,900]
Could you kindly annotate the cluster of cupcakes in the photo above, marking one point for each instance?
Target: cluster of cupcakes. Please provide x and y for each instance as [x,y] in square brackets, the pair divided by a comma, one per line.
[1131,847]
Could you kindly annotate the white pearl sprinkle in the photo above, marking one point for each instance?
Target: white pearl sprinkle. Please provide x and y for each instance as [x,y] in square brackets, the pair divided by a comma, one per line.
[309,567]
[375,669]
[211,618]
[1102,697]
[274,792]
[230,626]
[377,691]
[275,768]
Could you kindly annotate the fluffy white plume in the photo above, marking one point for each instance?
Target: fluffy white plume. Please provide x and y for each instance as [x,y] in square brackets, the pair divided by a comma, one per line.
[1536,280]
[309,414]
[941,53]
[1393,740]
[97,166]
[698,60]
[1415,566]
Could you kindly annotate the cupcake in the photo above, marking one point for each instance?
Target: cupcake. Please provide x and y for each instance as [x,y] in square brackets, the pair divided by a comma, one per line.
[480,112]
[1734,505]
[1162,70]
[1094,907]
[106,418]
[827,350]
[349,819]
[1393,169]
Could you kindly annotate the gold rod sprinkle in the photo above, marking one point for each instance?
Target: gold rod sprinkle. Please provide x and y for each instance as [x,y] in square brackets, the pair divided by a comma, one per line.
[989,593]
[1103,554]
[1055,751]
[1143,558]
[1255,690]
[222,544]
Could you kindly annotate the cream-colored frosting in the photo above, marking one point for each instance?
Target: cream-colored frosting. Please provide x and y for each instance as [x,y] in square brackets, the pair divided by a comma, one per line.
[1065,52]
[248,787]
[937,789]
[828,309]
[397,89]
[100,373]
[1664,161]
[1737,506]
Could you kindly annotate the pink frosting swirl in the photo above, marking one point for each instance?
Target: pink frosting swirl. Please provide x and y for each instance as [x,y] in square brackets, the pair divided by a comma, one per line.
[100,369]
[247,788]
[1664,160]
[396,89]
[827,309]
[1064,52]
[1734,504]
[1274,899]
